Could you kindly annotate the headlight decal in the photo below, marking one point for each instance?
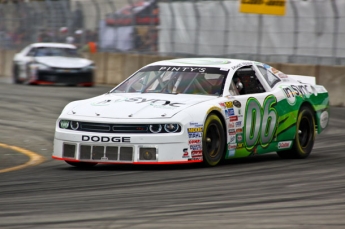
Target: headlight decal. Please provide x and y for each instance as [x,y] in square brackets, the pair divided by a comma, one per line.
[162,128]
[171,128]
[64,124]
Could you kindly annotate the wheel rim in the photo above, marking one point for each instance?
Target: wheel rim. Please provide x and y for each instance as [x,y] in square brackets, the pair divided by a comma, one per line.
[212,141]
[304,132]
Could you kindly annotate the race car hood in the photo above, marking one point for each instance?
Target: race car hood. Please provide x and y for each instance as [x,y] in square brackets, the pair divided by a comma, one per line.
[63,62]
[136,105]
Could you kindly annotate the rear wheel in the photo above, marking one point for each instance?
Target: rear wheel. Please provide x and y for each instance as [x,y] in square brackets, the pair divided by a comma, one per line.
[305,136]
[213,141]
[83,165]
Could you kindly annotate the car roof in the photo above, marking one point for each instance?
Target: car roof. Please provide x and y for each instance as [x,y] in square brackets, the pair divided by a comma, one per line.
[54,45]
[205,62]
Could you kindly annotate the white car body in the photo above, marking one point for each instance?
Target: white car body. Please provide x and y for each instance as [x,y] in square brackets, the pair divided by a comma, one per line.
[58,67]
[190,111]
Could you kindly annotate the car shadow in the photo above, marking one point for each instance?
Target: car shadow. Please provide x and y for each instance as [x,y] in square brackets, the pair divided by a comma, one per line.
[227,163]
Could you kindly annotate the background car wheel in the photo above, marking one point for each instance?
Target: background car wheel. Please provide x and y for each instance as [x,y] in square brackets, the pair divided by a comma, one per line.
[213,141]
[84,165]
[15,74]
[305,136]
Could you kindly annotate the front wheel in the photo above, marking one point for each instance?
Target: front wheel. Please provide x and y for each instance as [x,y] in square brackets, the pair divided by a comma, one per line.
[15,74]
[305,136]
[213,141]
[83,165]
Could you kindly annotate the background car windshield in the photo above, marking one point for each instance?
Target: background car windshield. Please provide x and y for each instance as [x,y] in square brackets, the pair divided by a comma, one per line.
[52,51]
[175,80]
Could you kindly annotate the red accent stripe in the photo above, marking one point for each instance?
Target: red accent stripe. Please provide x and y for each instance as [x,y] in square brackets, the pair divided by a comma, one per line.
[88,84]
[40,82]
[134,163]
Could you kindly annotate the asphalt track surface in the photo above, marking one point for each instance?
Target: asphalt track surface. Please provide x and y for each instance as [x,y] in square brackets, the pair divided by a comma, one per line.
[258,192]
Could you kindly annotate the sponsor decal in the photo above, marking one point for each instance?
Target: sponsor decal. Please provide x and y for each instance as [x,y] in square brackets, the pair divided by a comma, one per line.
[294,91]
[237,103]
[153,102]
[195,159]
[275,71]
[195,147]
[246,63]
[284,145]
[239,145]
[228,104]
[195,135]
[182,69]
[195,124]
[87,138]
[324,119]
[236,66]
[222,104]
[241,65]
[282,75]
[232,146]
[185,153]
[194,141]
[232,131]
[194,129]
[239,130]
[229,112]
[104,158]
[196,153]
[231,125]
[233,118]
[232,138]
[238,124]
[231,153]
[101,103]
[239,137]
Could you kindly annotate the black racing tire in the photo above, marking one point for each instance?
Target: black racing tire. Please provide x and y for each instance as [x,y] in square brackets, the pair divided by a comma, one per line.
[305,136]
[15,74]
[83,165]
[213,141]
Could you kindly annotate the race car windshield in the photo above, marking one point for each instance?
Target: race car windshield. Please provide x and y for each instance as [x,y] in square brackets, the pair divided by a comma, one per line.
[52,51]
[175,80]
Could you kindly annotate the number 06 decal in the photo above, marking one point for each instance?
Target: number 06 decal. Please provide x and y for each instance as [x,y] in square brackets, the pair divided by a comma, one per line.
[260,123]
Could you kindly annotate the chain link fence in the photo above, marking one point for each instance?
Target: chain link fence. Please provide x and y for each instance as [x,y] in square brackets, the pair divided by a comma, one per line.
[311,32]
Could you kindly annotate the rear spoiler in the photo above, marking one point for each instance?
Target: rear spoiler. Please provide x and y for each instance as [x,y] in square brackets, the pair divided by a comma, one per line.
[304,79]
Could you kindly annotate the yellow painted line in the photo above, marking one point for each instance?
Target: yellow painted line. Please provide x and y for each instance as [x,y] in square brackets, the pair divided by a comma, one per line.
[35,158]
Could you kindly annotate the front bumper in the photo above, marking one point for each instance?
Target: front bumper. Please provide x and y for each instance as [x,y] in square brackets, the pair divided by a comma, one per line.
[125,148]
[63,76]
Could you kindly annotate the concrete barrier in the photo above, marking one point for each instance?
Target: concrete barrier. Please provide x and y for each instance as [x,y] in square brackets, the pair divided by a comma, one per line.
[113,68]
[8,62]
[333,79]
[114,71]
[100,60]
[298,69]
[132,62]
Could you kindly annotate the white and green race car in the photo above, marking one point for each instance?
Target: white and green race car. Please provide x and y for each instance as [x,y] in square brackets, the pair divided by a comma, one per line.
[194,110]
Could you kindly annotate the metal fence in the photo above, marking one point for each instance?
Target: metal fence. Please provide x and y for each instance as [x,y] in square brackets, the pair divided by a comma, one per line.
[312,31]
